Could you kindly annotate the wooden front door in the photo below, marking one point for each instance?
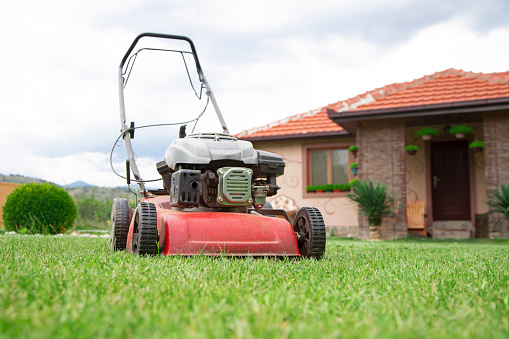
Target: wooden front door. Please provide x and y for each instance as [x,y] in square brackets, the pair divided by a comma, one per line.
[450,180]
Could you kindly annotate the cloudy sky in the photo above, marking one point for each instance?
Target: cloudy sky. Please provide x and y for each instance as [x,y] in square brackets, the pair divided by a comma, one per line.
[265,60]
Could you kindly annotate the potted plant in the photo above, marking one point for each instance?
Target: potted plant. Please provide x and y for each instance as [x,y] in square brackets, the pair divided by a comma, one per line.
[353,167]
[476,145]
[426,133]
[353,149]
[411,149]
[461,130]
[311,188]
[327,188]
[374,200]
[341,187]
[345,188]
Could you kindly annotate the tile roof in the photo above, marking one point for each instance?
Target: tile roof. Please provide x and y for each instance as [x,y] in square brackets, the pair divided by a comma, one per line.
[442,87]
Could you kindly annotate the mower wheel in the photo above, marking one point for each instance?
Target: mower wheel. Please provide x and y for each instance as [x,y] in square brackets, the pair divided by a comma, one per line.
[310,230]
[145,229]
[120,220]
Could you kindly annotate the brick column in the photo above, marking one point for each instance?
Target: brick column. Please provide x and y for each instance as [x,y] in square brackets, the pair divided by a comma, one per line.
[496,139]
[381,157]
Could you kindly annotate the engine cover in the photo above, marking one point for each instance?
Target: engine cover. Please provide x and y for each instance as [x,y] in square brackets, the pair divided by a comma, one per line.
[201,149]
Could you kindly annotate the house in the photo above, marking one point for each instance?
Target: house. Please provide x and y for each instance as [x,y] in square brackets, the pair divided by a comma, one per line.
[5,189]
[452,180]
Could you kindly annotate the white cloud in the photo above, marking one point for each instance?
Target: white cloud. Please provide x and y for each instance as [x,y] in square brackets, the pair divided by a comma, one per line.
[265,61]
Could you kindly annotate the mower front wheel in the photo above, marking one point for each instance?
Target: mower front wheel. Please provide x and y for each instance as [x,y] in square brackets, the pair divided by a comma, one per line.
[121,214]
[309,228]
[145,239]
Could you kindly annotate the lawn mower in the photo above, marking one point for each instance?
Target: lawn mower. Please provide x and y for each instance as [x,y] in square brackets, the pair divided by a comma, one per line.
[213,200]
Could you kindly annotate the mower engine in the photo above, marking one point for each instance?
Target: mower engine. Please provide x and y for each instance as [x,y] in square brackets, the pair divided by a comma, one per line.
[216,170]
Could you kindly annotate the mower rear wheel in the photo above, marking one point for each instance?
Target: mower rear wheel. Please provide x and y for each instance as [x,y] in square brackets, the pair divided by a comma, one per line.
[121,214]
[310,231]
[145,239]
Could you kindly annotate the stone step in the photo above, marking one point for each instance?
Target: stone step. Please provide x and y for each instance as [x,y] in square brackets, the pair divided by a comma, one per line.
[460,225]
[443,234]
[452,229]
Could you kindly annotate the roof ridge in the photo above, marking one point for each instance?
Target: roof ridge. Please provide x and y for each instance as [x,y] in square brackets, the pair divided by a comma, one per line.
[496,77]
[377,93]
[354,102]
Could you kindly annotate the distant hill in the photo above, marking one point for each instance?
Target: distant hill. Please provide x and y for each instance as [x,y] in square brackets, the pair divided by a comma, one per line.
[77,188]
[19,179]
[78,184]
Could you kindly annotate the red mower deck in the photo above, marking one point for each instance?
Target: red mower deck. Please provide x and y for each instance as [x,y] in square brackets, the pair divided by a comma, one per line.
[220,233]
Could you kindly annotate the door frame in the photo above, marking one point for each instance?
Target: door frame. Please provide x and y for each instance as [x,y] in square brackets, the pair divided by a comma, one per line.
[429,202]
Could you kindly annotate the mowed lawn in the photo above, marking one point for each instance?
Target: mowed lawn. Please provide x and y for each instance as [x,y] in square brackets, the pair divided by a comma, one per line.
[74,287]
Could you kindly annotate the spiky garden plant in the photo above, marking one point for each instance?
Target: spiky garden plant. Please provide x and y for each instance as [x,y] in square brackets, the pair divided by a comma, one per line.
[373,199]
[499,201]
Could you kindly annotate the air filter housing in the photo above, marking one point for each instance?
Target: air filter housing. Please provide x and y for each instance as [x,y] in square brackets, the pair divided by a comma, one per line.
[234,188]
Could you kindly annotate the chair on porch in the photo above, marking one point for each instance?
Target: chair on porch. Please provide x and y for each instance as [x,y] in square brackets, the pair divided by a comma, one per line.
[285,203]
[416,218]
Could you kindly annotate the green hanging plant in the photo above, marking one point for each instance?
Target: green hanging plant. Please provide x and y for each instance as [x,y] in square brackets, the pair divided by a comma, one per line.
[426,131]
[461,129]
[411,149]
[353,149]
[476,144]
[353,182]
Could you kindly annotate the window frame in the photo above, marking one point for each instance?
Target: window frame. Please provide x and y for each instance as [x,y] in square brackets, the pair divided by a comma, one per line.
[306,167]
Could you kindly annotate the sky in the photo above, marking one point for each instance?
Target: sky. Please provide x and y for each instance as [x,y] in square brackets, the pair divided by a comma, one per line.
[265,60]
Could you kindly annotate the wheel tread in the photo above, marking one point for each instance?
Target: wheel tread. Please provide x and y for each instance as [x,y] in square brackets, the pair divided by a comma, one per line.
[120,221]
[147,229]
[317,232]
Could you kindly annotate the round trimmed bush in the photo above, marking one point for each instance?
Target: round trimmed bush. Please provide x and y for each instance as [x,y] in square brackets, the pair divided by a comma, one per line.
[39,208]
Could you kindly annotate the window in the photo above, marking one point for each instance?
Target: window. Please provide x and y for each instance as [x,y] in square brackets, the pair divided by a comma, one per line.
[326,164]
[329,167]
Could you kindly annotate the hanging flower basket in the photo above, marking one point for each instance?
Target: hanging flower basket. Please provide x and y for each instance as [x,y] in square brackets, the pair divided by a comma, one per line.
[353,149]
[476,145]
[461,130]
[353,167]
[426,133]
[411,149]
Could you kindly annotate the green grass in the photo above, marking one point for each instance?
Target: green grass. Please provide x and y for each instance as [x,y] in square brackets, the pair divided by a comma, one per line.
[74,287]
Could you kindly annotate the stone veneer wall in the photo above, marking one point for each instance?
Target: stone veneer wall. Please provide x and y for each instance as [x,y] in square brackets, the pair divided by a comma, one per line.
[381,157]
[496,138]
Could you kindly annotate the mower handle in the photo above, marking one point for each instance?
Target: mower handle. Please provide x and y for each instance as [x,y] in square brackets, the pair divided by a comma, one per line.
[124,128]
[163,36]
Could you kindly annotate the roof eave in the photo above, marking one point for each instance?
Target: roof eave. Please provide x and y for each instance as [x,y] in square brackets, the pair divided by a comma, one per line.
[420,110]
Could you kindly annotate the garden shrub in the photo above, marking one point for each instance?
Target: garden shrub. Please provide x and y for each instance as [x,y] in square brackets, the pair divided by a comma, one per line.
[39,208]
[373,198]
[499,200]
